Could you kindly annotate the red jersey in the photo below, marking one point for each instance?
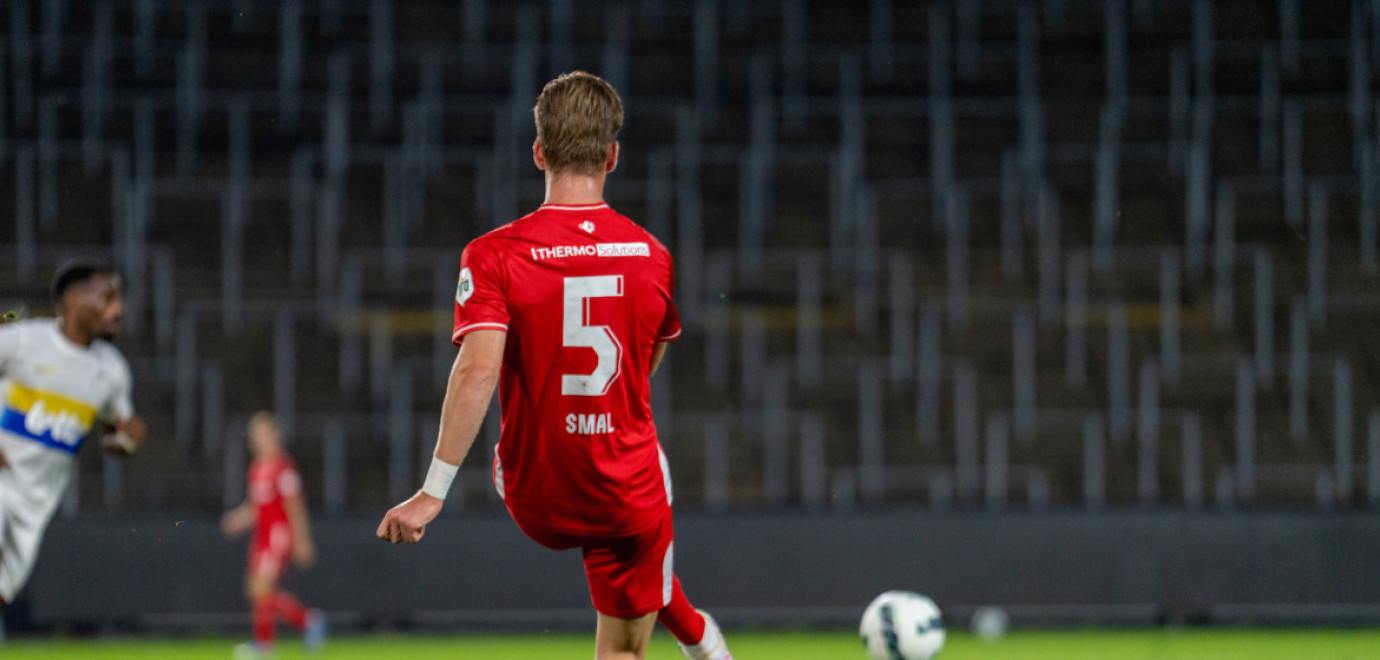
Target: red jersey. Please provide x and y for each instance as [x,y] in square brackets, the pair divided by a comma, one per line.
[271,481]
[584,295]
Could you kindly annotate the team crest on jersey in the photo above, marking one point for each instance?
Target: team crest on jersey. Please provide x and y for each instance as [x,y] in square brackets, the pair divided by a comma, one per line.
[587,226]
[465,288]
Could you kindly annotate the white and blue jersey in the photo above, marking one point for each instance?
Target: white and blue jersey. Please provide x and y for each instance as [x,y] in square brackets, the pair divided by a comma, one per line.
[52,392]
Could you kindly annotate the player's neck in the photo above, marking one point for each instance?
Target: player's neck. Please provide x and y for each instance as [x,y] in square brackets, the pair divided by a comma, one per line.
[70,331]
[574,189]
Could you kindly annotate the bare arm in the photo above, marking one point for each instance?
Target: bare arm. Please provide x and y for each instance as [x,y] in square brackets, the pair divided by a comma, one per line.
[471,387]
[657,354]
[123,432]
[238,520]
[303,550]
[472,381]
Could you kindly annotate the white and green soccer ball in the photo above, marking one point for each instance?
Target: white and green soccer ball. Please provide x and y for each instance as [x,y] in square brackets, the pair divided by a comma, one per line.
[901,625]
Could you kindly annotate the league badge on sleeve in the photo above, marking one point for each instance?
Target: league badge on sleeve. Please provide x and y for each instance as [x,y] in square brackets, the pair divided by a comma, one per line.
[465,288]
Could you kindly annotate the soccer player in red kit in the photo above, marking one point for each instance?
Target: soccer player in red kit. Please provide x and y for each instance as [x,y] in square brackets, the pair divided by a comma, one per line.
[568,310]
[275,510]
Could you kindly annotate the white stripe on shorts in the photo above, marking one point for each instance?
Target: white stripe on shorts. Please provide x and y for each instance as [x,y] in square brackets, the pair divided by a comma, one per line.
[667,574]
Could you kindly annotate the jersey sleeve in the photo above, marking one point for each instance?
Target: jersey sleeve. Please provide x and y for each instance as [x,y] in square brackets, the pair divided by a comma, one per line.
[289,483]
[120,405]
[669,330]
[11,339]
[670,325]
[480,303]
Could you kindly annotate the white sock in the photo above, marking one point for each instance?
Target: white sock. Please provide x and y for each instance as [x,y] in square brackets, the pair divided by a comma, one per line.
[711,645]
[712,638]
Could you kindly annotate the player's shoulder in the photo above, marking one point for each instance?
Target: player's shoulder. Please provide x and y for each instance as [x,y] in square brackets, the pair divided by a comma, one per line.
[641,233]
[282,461]
[286,468]
[500,239]
[27,335]
[268,466]
[108,353]
[26,327]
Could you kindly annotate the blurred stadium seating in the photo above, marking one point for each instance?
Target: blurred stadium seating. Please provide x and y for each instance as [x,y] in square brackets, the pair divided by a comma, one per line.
[1076,253]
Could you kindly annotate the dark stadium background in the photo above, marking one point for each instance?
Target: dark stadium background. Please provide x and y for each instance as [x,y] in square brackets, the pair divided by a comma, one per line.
[1067,306]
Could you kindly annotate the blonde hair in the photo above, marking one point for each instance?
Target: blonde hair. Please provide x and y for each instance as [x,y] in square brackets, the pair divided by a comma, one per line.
[578,117]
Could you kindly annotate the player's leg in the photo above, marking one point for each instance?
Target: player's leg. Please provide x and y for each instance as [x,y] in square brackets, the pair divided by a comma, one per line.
[258,586]
[4,586]
[7,582]
[285,607]
[680,618]
[624,577]
[623,639]
[4,533]
[270,604]
[21,532]
[282,605]
[314,635]
[266,566]
[696,632]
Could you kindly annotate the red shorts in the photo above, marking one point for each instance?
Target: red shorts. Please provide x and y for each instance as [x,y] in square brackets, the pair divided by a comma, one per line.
[629,576]
[269,557]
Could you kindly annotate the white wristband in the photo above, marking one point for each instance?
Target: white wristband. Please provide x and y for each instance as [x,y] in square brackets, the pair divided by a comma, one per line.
[438,478]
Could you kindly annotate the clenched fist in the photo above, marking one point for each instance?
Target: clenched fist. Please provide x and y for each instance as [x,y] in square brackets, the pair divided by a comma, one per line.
[406,522]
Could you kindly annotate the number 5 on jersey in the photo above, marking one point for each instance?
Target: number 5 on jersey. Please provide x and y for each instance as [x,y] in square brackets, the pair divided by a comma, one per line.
[577,332]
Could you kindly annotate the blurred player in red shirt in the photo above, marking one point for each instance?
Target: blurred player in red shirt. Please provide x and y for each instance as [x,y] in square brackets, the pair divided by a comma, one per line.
[568,311]
[277,513]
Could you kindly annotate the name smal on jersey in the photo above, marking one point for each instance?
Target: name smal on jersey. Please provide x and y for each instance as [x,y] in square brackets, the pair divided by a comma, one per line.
[595,424]
[592,250]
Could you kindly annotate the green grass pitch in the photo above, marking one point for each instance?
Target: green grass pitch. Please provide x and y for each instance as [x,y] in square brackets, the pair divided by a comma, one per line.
[1077,645]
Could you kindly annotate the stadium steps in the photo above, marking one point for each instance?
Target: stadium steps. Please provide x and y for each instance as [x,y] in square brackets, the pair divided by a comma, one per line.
[242,61]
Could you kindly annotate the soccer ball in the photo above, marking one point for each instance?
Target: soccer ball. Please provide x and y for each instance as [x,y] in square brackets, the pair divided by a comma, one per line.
[900,625]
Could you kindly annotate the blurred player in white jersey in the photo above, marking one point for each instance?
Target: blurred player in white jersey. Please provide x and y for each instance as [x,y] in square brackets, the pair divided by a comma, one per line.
[60,380]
